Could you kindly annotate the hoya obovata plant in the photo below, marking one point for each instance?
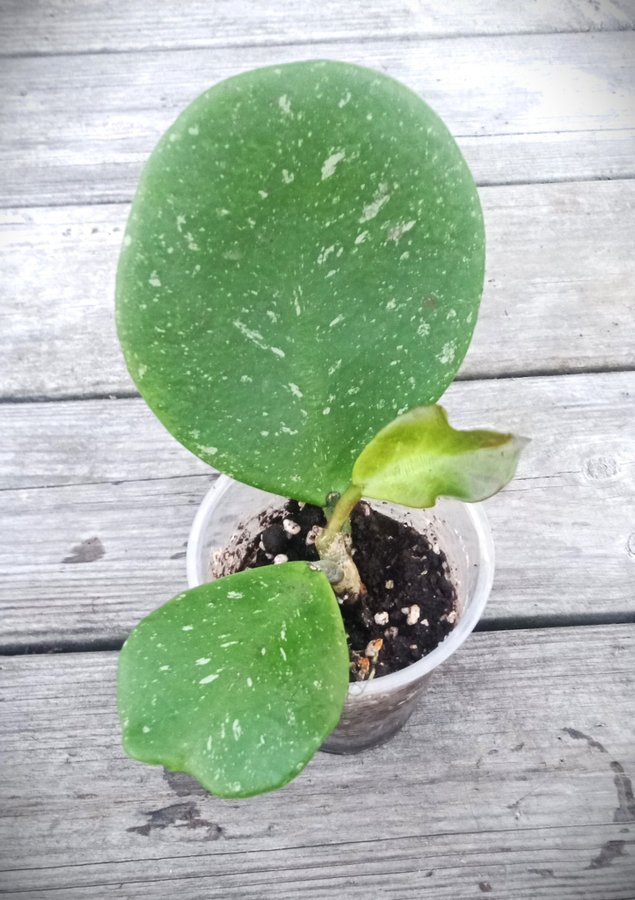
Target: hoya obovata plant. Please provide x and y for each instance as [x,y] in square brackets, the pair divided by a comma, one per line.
[298,285]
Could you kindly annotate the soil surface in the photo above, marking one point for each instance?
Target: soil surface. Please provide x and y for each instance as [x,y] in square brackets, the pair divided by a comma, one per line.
[409,607]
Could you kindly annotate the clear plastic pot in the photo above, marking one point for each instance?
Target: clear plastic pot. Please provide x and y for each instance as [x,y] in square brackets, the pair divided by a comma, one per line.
[374,710]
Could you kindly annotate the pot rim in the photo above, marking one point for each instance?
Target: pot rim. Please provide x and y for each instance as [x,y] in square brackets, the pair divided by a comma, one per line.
[415,671]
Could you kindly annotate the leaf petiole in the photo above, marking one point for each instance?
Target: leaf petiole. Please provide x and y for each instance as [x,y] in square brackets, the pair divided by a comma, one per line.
[340,516]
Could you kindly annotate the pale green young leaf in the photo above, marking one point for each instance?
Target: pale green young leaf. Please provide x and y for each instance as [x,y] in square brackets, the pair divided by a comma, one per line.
[236,682]
[419,457]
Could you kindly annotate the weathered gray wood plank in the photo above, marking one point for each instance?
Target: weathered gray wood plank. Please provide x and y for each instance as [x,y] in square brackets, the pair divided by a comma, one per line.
[77,129]
[512,778]
[99,502]
[57,26]
[84,563]
[88,442]
[558,295]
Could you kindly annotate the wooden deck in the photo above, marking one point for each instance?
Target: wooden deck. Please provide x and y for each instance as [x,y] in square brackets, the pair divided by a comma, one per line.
[515,776]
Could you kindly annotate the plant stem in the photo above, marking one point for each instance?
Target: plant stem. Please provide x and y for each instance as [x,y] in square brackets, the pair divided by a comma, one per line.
[341,513]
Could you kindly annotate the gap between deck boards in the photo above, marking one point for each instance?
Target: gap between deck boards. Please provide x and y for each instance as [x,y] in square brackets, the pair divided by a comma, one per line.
[7,400]
[504,623]
[243,42]
[480,182]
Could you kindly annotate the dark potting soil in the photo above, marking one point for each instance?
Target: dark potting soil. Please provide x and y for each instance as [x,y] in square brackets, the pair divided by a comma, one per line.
[409,607]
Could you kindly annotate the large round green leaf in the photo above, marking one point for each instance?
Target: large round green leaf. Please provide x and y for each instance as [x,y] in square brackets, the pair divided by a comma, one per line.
[238,681]
[303,261]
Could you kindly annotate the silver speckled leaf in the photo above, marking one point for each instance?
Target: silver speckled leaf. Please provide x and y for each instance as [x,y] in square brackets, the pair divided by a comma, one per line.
[303,261]
[238,681]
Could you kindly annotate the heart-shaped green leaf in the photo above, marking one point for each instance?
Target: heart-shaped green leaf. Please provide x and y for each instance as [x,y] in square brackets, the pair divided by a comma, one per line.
[420,457]
[238,681]
[304,260]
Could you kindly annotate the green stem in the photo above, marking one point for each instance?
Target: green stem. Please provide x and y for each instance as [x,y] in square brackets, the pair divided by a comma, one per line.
[341,513]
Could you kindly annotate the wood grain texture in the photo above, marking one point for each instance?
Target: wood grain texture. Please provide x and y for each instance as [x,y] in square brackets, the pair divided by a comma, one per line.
[512,777]
[558,295]
[59,26]
[99,500]
[77,129]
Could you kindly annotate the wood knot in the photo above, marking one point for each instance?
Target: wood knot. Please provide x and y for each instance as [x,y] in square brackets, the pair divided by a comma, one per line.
[600,468]
[89,550]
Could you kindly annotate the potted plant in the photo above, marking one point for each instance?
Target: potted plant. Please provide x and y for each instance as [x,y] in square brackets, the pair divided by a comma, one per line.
[299,282]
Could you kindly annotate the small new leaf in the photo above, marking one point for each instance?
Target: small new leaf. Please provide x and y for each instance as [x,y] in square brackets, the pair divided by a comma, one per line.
[419,457]
[238,681]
